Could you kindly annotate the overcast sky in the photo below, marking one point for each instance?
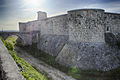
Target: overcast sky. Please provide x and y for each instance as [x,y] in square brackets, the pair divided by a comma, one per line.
[14,11]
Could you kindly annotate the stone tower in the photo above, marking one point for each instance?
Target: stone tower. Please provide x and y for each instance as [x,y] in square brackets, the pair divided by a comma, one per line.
[42,15]
[86,25]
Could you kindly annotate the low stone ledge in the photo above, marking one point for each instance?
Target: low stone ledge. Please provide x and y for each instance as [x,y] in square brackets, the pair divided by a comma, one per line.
[8,68]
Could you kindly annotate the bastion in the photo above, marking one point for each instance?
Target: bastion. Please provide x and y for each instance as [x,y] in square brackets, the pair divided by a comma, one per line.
[83,38]
[86,25]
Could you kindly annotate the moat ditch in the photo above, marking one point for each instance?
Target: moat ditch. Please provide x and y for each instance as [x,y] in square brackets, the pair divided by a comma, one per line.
[41,66]
[78,74]
[46,64]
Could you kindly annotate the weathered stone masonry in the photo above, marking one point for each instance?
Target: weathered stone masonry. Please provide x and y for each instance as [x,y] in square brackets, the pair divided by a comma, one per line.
[8,67]
[86,25]
[77,38]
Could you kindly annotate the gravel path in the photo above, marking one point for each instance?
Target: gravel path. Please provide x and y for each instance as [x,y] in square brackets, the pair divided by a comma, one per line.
[43,67]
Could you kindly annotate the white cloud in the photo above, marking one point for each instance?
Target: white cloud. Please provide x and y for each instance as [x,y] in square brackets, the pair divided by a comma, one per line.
[109,7]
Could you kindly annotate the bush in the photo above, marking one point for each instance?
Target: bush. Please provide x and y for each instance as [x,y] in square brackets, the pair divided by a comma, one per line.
[9,46]
[19,44]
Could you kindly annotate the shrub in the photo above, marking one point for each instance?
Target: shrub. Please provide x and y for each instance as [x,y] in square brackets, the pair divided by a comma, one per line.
[9,46]
[19,43]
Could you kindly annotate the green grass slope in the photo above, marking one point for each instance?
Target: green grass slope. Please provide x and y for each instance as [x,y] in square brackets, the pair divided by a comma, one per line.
[26,69]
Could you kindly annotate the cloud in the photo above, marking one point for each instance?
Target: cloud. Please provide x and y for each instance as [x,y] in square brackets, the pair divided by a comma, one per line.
[17,10]
[108,6]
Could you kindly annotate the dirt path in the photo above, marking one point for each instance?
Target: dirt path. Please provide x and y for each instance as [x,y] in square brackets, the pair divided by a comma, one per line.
[43,67]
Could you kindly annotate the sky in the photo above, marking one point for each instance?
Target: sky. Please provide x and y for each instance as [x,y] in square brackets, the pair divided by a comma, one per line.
[14,11]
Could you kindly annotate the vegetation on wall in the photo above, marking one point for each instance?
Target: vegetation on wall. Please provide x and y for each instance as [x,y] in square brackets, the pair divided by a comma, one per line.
[26,69]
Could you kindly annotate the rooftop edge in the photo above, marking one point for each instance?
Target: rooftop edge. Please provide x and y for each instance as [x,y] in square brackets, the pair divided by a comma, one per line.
[86,10]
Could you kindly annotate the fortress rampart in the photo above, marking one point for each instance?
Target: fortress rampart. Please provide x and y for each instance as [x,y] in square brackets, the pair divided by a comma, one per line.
[82,25]
[77,38]
[86,25]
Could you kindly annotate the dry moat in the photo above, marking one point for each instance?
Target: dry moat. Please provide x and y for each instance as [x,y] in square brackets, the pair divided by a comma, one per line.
[46,65]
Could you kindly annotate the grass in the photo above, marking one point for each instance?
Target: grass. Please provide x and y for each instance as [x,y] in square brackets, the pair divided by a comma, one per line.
[50,60]
[11,39]
[74,72]
[27,70]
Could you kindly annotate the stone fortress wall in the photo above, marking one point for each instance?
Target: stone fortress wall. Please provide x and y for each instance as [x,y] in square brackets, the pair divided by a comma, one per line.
[112,22]
[86,25]
[77,38]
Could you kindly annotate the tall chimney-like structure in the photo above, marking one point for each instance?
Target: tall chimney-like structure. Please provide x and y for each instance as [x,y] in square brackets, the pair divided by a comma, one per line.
[42,15]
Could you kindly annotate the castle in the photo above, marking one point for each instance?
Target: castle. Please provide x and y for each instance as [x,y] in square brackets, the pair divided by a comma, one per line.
[79,38]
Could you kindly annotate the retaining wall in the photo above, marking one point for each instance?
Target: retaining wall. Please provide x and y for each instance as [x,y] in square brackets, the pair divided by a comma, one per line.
[8,67]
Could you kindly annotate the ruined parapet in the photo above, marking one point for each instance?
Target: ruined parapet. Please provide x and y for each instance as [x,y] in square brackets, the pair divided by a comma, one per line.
[42,15]
[86,25]
[22,27]
[8,68]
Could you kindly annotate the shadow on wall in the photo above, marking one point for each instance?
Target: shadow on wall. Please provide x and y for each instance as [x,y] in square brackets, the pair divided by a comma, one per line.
[111,39]
[19,41]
